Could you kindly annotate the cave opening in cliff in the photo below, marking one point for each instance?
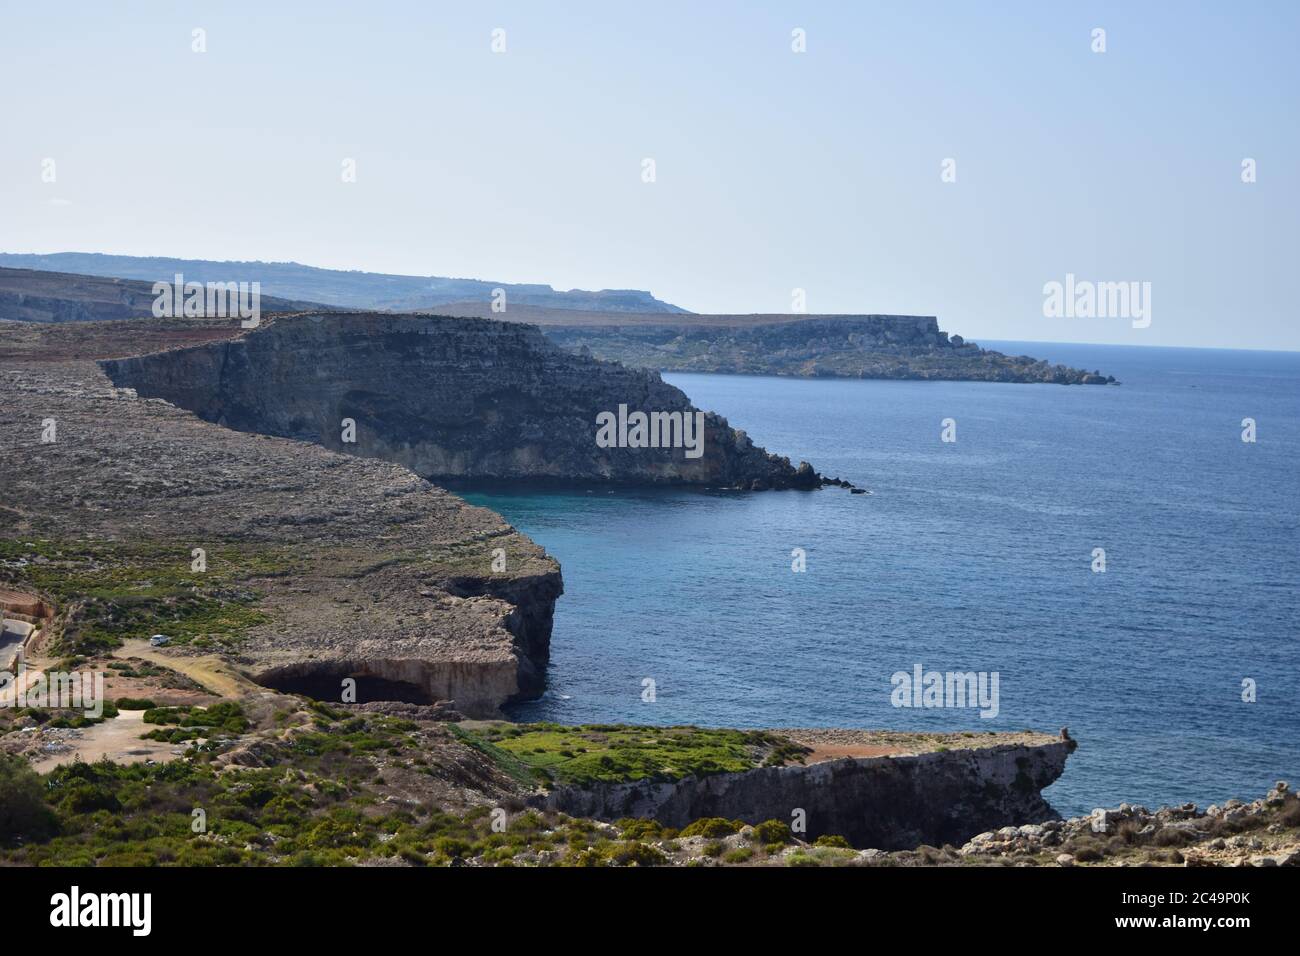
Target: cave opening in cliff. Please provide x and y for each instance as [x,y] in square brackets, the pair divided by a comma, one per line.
[325,683]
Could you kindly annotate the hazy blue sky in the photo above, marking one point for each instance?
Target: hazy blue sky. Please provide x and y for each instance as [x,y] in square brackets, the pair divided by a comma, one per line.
[775,170]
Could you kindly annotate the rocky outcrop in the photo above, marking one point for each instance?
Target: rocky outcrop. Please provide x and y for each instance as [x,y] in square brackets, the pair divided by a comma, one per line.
[846,346]
[889,803]
[355,567]
[1261,833]
[448,398]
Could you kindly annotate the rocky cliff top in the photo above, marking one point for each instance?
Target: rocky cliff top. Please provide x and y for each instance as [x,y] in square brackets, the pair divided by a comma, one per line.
[803,345]
[32,295]
[312,555]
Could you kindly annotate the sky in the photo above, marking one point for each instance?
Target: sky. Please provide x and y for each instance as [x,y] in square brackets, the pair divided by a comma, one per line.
[774,170]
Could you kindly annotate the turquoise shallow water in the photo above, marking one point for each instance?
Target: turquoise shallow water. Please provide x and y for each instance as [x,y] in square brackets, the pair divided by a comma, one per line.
[972,556]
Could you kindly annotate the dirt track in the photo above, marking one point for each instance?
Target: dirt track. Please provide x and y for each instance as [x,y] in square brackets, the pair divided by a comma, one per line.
[117,739]
[212,672]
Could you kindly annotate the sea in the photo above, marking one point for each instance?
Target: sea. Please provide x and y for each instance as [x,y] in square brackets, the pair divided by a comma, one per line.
[1116,560]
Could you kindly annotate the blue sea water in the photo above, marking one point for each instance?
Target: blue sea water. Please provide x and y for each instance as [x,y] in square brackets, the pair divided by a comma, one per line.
[970,556]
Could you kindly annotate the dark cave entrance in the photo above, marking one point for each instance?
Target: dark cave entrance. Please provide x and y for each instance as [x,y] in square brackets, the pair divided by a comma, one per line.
[325,683]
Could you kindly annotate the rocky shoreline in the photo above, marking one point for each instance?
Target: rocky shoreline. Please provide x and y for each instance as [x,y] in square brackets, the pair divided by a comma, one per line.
[328,566]
[333,565]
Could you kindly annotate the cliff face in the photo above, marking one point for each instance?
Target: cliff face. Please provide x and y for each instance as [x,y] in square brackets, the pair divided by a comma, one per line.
[866,346]
[320,566]
[447,398]
[888,803]
[806,345]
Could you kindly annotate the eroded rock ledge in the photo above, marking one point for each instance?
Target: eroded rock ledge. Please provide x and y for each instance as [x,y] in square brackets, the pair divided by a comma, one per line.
[892,802]
[447,398]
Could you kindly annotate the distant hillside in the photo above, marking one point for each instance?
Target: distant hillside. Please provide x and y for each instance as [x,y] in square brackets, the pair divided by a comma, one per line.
[354,290]
[32,295]
[806,346]
[810,346]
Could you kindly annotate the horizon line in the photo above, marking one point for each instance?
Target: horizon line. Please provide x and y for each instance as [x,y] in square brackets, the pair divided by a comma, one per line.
[656,296]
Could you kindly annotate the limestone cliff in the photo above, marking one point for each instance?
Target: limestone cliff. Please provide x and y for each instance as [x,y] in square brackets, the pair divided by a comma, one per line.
[447,398]
[888,802]
[319,566]
[803,345]
[849,346]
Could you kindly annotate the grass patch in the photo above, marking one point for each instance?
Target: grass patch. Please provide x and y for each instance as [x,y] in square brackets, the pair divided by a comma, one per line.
[615,753]
[109,592]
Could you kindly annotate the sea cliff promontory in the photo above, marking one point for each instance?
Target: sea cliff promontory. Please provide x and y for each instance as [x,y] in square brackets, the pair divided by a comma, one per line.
[455,398]
[911,347]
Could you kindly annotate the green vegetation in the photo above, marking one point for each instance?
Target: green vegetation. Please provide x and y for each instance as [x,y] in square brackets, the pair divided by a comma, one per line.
[134,703]
[222,719]
[109,592]
[24,814]
[711,827]
[162,676]
[614,753]
[833,840]
[773,831]
[315,806]
[60,717]
[819,855]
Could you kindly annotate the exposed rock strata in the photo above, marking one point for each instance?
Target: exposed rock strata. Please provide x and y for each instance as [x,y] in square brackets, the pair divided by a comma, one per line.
[891,802]
[811,346]
[447,398]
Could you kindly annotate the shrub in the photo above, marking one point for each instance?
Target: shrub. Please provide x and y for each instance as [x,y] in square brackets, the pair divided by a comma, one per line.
[1167,837]
[711,827]
[135,703]
[833,839]
[23,811]
[85,797]
[1086,851]
[636,854]
[772,831]
[634,828]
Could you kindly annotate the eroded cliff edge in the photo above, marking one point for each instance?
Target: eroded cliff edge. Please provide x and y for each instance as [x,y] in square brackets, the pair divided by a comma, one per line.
[804,345]
[447,398]
[891,802]
[319,566]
